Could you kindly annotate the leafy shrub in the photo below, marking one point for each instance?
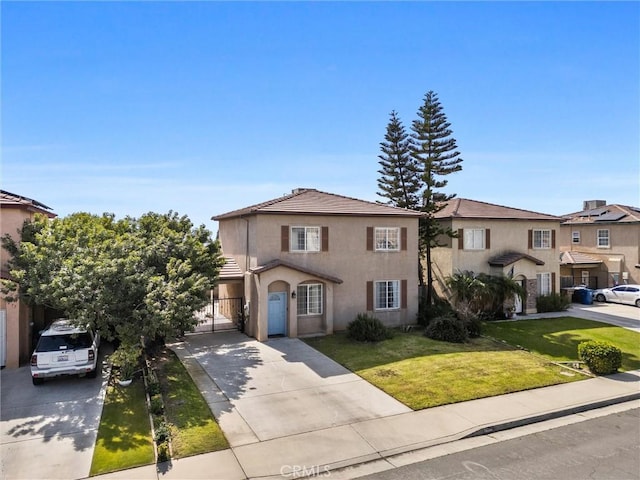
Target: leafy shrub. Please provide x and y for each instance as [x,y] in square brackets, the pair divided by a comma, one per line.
[474,328]
[366,328]
[156,404]
[427,312]
[602,358]
[552,303]
[153,385]
[447,329]
[163,452]
[163,433]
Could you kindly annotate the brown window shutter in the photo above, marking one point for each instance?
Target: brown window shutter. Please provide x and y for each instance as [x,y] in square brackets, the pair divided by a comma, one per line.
[325,239]
[487,239]
[369,238]
[530,239]
[460,238]
[403,238]
[553,282]
[553,239]
[369,296]
[284,238]
[403,294]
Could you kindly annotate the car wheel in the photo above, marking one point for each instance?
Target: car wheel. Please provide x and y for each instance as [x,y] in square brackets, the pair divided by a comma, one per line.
[600,297]
[93,373]
[638,303]
[37,381]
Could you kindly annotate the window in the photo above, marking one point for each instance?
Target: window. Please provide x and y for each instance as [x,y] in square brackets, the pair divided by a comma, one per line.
[575,237]
[305,239]
[603,239]
[387,239]
[309,299]
[474,238]
[544,283]
[584,277]
[542,239]
[387,295]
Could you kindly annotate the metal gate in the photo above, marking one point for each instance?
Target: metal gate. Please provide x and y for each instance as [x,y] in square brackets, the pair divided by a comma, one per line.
[221,314]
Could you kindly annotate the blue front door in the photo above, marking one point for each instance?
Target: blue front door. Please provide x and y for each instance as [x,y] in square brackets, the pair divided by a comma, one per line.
[277,313]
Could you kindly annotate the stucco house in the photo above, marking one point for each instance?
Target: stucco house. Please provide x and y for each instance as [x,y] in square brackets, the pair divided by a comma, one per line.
[308,262]
[600,245]
[17,320]
[499,240]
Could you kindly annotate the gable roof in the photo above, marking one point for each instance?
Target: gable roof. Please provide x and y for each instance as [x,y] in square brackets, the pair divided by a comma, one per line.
[465,208]
[309,201]
[577,258]
[508,258]
[11,200]
[281,263]
[604,214]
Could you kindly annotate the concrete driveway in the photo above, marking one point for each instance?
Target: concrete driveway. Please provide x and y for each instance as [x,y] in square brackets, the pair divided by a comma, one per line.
[626,316]
[282,387]
[48,431]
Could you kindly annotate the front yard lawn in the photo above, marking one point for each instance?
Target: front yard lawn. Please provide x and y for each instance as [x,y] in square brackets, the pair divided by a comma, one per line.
[423,373]
[124,434]
[558,338]
[194,429]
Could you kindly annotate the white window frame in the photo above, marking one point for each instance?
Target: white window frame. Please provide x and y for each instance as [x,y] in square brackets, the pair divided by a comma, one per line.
[544,283]
[387,239]
[309,298]
[311,239]
[603,241]
[386,295]
[474,238]
[542,239]
[575,237]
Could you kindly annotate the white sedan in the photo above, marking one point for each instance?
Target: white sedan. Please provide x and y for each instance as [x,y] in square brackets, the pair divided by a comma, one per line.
[621,294]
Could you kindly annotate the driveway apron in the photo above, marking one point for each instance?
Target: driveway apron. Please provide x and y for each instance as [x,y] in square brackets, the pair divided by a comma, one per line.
[48,431]
[281,387]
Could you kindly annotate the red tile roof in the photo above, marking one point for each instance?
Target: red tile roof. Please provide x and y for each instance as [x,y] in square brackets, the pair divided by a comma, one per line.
[465,208]
[308,201]
[281,263]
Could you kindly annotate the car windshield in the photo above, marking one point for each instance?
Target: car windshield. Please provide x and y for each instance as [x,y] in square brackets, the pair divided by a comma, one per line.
[51,343]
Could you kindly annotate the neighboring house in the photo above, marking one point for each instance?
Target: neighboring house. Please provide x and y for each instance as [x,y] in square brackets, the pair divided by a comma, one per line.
[307,263]
[499,240]
[17,319]
[600,245]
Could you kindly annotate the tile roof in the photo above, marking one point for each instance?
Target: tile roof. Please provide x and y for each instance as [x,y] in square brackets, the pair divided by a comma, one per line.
[8,199]
[230,270]
[281,263]
[573,258]
[465,208]
[309,201]
[508,258]
[604,214]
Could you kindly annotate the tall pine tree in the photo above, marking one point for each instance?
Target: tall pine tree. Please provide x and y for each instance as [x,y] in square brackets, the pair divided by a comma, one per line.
[435,151]
[399,180]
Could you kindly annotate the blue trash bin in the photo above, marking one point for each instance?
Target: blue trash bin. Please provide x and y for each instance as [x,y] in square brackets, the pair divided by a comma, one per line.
[587,297]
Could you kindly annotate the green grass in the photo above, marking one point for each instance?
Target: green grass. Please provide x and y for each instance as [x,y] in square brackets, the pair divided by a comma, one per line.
[423,373]
[195,429]
[558,338]
[124,434]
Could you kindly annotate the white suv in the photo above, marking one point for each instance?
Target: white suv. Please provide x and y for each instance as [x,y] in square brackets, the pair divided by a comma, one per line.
[65,349]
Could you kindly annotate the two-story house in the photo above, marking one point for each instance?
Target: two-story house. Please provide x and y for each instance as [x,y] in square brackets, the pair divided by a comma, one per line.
[17,319]
[499,240]
[309,262]
[600,245]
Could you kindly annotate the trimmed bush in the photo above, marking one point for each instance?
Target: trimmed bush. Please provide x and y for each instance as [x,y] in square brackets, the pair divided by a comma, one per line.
[366,328]
[428,312]
[447,329]
[602,358]
[163,433]
[474,328]
[163,452]
[156,404]
[552,303]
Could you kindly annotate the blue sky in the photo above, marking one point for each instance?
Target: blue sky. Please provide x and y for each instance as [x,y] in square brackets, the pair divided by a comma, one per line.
[205,107]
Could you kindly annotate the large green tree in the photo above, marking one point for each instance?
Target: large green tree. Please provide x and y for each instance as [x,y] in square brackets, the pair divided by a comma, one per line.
[399,181]
[127,278]
[412,167]
[435,151]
